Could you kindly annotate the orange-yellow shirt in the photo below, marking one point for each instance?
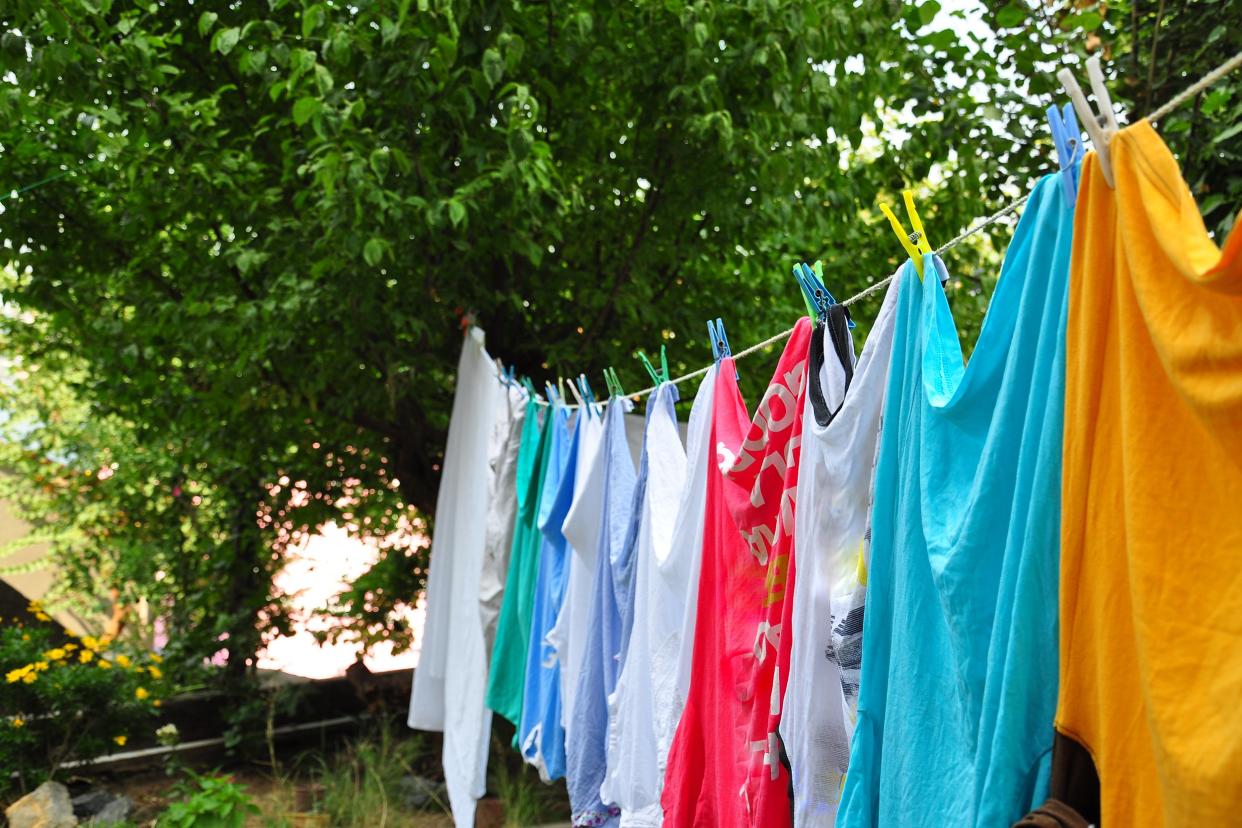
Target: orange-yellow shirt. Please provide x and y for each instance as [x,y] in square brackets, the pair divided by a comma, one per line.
[1151,537]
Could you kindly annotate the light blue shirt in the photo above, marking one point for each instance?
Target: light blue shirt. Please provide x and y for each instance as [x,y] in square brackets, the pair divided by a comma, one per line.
[587,748]
[959,665]
[542,734]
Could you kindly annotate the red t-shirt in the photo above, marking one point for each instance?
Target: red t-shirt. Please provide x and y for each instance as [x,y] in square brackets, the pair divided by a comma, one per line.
[724,766]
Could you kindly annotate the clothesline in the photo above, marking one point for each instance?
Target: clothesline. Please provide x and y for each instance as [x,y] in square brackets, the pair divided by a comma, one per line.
[1176,101]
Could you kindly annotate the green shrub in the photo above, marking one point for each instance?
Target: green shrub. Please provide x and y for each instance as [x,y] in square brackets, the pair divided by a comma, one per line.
[63,700]
[211,802]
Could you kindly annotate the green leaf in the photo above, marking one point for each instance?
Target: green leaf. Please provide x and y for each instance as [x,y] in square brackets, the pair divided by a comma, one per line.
[1227,134]
[373,251]
[305,109]
[380,160]
[456,211]
[389,29]
[224,40]
[1011,16]
[205,21]
[447,47]
[1087,21]
[928,11]
[311,18]
[493,67]
[323,79]
[700,33]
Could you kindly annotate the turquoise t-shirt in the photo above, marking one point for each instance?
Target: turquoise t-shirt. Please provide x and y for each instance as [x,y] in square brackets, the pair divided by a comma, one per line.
[506,678]
[959,664]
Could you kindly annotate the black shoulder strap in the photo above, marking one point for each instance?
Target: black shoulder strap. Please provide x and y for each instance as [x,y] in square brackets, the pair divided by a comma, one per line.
[837,324]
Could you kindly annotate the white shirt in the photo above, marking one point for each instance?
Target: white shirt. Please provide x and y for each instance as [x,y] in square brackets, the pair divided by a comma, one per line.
[453,663]
[831,532]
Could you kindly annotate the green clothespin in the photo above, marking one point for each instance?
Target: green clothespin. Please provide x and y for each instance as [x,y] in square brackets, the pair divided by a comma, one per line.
[614,384]
[651,371]
[664,363]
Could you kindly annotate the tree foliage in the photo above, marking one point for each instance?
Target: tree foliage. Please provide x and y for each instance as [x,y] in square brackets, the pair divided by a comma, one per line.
[245,234]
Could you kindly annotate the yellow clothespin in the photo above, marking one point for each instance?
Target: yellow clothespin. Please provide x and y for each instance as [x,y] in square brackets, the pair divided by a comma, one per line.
[915,241]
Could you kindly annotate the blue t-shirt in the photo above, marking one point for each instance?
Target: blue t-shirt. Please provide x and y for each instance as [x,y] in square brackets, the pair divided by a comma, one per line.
[542,736]
[959,664]
[587,748]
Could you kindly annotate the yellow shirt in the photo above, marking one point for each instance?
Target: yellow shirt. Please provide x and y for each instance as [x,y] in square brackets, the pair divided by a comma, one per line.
[1151,537]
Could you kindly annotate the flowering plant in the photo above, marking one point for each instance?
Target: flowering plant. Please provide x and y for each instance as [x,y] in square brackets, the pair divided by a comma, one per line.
[67,699]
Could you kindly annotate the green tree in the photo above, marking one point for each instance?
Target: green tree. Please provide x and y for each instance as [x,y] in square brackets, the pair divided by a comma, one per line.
[253,229]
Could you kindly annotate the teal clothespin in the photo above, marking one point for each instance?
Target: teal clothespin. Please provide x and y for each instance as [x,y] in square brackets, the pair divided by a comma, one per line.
[657,376]
[651,371]
[817,297]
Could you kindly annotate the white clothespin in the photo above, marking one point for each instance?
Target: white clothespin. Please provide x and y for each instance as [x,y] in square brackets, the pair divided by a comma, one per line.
[1100,127]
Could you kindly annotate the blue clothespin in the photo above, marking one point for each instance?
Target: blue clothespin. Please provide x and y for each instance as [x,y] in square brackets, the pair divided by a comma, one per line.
[588,395]
[553,397]
[817,296]
[720,343]
[1068,140]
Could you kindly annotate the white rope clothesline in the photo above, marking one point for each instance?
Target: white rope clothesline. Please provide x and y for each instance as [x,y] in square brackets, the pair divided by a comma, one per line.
[1176,101]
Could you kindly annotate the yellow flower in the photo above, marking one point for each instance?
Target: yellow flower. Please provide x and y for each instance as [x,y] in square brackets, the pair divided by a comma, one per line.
[104,664]
[141,693]
[120,740]
[158,703]
[85,656]
[56,653]
[155,672]
[40,666]
[30,677]
[122,661]
[70,647]
[18,721]
[157,658]
[14,676]
[43,616]
[25,637]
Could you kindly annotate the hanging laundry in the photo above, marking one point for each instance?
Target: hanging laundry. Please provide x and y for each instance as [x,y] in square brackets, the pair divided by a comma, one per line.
[542,734]
[725,764]
[518,429]
[451,675]
[958,640]
[1151,601]
[581,530]
[506,681]
[588,731]
[633,781]
[840,431]
[672,640]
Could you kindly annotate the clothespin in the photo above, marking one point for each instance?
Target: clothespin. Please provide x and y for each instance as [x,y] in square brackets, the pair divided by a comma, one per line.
[720,343]
[915,242]
[588,394]
[614,383]
[657,376]
[1068,140]
[651,371]
[817,296]
[552,395]
[573,391]
[1100,127]
[530,388]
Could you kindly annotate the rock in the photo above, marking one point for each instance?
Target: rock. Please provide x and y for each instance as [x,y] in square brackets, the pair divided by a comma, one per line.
[114,813]
[90,803]
[419,792]
[47,806]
